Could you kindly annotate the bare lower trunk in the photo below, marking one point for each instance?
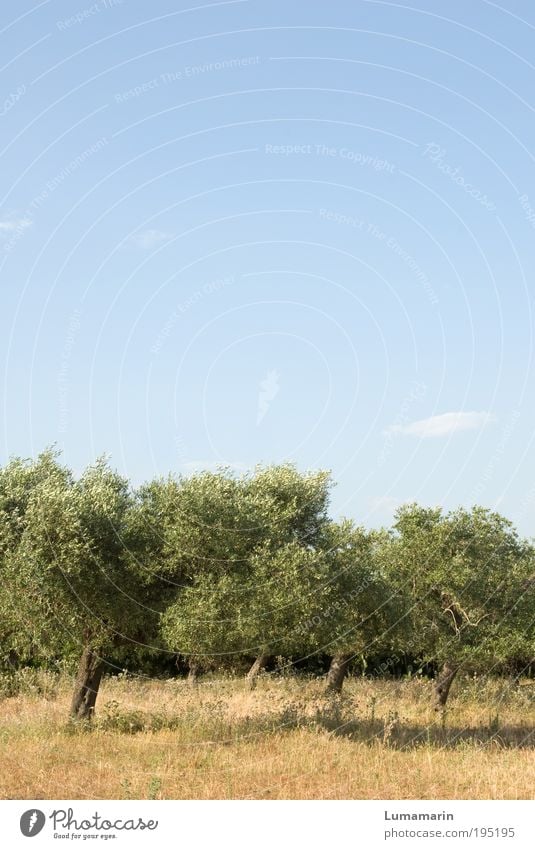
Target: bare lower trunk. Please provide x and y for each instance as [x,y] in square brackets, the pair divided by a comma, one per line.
[337,672]
[194,670]
[87,684]
[443,683]
[255,670]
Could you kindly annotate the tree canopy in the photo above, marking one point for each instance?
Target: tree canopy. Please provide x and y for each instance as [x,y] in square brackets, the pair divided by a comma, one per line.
[222,567]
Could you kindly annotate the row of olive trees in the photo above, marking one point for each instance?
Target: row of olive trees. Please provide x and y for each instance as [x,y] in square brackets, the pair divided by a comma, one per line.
[215,566]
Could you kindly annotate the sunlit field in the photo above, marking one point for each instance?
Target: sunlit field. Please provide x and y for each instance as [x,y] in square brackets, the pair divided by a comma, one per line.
[165,739]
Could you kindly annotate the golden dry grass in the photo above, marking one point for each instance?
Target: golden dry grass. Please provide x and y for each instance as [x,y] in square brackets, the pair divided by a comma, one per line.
[285,740]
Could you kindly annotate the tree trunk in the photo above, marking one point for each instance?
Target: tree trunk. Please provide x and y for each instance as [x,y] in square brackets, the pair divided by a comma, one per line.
[255,670]
[86,685]
[13,659]
[443,683]
[193,672]
[337,672]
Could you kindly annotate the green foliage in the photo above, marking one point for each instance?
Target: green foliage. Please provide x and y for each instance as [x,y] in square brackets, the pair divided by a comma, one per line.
[70,577]
[244,560]
[219,566]
[466,580]
[358,610]
[282,578]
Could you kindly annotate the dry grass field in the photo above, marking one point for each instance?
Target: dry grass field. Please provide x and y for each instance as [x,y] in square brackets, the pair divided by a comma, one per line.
[285,740]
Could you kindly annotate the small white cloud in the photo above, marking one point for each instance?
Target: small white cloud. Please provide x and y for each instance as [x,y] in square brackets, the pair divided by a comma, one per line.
[14,225]
[148,239]
[269,389]
[384,503]
[444,425]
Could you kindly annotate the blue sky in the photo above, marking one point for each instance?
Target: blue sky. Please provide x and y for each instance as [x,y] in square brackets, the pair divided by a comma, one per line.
[251,232]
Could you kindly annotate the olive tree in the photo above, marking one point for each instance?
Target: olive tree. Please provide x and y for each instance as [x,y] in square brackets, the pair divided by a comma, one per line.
[255,610]
[19,479]
[464,577]
[247,540]
[73,569]
[287,571]
[292,599]
[357,606]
